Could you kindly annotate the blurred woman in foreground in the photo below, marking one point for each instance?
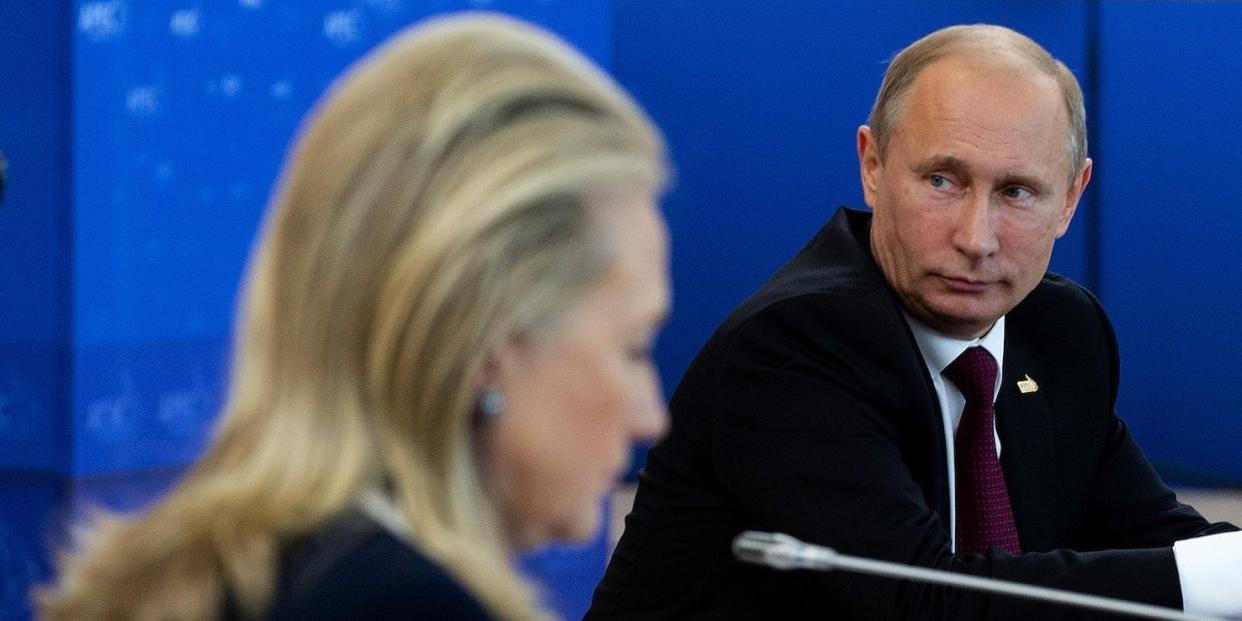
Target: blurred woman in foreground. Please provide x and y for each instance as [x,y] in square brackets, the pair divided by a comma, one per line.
[443,350]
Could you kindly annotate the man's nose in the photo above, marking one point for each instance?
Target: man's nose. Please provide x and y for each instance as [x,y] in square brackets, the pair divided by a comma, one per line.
[975,235]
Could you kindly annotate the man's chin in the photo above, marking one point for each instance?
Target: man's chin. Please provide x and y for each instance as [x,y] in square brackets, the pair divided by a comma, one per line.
[962,321]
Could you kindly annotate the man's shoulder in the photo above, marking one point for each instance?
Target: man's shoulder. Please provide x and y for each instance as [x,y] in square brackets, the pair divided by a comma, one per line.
[829,302]
[1059,299]
[833,274]
[1061,320]
[1054,284]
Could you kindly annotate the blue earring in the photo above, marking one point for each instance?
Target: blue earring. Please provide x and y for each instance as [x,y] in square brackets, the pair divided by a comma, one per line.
[492,405]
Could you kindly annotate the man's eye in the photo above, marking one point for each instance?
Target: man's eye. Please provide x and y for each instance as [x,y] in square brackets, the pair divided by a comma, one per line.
[1016,193]
[938,181]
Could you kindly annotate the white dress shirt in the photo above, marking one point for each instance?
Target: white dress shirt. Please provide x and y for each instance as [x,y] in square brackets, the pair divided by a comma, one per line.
[1209,568]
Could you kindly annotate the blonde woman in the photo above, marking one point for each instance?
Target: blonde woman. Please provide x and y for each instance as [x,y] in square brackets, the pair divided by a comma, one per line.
[443,353]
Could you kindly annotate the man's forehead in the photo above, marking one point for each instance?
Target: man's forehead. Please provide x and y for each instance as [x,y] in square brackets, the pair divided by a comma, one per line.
[988,63]
[971,86]
[962,110]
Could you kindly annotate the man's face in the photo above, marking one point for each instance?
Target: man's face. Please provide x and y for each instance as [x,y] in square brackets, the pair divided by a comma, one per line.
[973,191]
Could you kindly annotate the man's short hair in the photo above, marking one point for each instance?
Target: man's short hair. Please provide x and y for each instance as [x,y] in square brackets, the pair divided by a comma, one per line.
[908,63]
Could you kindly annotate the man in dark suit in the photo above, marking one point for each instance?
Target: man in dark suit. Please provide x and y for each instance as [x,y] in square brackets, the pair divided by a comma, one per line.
[914,387]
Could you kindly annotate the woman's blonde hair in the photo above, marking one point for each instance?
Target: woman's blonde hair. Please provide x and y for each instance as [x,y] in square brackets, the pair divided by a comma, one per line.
[441,196]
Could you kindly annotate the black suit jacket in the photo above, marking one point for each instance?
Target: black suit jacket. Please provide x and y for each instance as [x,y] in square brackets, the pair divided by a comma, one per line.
[354,569]
[810,411]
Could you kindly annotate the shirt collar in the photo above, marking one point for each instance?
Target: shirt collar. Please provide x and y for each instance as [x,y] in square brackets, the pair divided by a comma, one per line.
[939,351]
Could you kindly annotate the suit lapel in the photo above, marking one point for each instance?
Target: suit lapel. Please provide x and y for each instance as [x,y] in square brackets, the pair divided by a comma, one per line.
[933,472]
[1024,423]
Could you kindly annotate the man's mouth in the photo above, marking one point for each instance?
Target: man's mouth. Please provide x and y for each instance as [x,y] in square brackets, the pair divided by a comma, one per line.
[965,284]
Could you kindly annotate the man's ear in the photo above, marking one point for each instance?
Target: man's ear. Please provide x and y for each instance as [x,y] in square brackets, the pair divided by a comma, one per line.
[1073,196]
[869,164]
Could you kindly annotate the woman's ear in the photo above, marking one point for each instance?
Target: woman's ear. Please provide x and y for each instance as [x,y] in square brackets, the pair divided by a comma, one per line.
[500,373]
[489,373]
[503,362]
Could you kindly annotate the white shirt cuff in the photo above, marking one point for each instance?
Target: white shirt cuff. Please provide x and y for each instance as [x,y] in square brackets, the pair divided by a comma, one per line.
[1208,569]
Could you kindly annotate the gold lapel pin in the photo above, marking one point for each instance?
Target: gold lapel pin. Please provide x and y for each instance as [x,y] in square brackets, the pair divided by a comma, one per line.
[1027,386]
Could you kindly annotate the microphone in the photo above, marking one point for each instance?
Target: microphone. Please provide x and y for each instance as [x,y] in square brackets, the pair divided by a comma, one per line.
[780,551]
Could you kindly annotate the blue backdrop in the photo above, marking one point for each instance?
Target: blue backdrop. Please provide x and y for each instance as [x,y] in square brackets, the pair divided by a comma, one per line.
[143,138]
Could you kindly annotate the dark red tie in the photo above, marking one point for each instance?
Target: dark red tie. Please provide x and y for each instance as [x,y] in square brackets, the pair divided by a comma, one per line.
[984,516]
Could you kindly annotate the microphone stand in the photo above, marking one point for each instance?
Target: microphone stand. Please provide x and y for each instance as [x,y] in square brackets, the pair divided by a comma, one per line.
[780,551]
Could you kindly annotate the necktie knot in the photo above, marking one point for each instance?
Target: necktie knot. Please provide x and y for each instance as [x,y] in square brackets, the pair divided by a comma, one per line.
[974,374]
